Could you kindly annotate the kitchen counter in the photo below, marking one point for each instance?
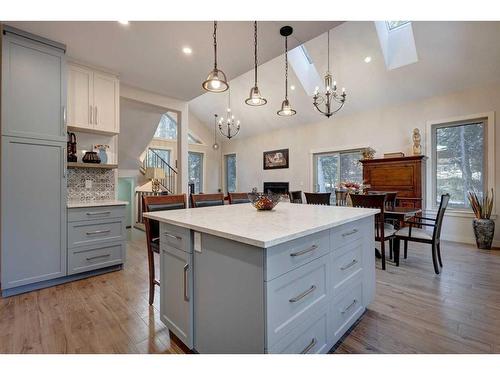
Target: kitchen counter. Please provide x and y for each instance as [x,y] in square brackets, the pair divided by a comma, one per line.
[243,223]
[291,280]
[96,204]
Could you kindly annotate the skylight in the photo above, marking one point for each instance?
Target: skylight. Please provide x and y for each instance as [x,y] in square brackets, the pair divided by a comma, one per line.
[393,25]
[304,69]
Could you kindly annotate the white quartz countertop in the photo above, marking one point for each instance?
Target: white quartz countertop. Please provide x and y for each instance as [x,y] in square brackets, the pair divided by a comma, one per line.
[243,223]
[96,204]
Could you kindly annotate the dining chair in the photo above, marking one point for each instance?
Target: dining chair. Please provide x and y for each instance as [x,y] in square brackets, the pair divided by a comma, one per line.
[151,204]
[382,233]
[318,198]
[295,196]
[207,200]
[390,204]
[341,197]
[237,198]
[411,234]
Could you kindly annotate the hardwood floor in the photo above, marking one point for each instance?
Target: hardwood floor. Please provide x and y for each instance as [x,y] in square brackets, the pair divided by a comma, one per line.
[415,311]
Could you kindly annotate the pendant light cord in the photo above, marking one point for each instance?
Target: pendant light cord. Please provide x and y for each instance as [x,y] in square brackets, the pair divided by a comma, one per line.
[328,70]
[286,68]
[215,44]
[255,50]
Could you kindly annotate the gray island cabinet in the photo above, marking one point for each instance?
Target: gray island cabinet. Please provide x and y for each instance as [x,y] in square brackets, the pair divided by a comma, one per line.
[292,280]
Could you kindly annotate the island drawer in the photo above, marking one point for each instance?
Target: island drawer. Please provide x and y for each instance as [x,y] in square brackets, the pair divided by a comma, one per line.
[291,298]
[176,237]
[96,231]
[91,257]
[346,262]
[95,213]
[347,306]
[346,233]
[311,337]
[285,257]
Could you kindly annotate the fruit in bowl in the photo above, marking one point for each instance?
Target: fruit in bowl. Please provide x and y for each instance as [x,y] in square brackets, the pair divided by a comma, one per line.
[264,201]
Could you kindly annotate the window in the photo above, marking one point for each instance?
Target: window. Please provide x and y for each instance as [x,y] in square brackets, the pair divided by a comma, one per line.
[167,129]
[332,168]
[392,25]
[195,170]
[230,169]
[459,152]
[162,153]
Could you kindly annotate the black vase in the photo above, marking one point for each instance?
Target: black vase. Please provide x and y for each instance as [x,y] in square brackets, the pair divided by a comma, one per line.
[484,229]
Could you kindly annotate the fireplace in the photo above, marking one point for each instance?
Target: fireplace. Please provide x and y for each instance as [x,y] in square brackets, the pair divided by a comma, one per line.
[276,187]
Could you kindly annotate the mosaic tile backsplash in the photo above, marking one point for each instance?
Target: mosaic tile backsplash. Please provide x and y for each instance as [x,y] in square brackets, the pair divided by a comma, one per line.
[103,185]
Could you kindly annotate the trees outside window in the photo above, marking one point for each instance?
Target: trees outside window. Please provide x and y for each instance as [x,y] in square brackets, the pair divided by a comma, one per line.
[195,170]
[230,169]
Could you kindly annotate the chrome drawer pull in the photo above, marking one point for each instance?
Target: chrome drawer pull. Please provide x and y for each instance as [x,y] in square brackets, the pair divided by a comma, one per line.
[98,232]
[186,267]
[173,236]
[305,251]
[354,261]
[98,213]
[303,294]
[354,231]
[349,307]
[309,347]
[99,256]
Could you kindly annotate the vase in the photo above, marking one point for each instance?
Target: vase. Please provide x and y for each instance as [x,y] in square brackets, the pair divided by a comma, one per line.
[484,230]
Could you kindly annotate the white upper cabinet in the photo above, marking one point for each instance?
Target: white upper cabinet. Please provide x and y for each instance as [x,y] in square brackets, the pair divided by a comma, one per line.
[93,100]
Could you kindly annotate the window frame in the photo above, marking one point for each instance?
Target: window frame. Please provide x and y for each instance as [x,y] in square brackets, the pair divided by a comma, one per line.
[488,119]
[224,157]
[203,169]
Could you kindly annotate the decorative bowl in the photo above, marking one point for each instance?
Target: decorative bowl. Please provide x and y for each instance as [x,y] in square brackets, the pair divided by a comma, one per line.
[264,201]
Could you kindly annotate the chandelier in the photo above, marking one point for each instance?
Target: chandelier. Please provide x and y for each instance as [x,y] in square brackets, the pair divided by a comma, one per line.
[255,98]
[286,108]
[331,100]
[216,80]
[229,126]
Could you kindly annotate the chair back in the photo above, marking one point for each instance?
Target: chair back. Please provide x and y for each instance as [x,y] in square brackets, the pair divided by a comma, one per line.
[318,198]
[390,198]
[152,203]
[295,196]
[372,201]
[237,198]
[207,200]
[445,198]
[341,197]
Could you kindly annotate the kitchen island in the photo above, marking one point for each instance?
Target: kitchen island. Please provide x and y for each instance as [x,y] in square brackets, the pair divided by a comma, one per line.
[291,280]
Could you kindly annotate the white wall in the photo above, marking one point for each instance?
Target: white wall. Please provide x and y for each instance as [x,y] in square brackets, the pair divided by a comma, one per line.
[385,130]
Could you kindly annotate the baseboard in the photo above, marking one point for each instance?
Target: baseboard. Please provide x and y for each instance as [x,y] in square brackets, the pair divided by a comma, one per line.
[468,240]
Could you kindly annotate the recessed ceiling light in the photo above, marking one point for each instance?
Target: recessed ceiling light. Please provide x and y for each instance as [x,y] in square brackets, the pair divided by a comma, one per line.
[187,50]
[368,59]
[123,22]
[292,87]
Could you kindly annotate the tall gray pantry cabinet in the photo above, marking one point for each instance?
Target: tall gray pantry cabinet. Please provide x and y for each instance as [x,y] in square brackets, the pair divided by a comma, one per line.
[33,165]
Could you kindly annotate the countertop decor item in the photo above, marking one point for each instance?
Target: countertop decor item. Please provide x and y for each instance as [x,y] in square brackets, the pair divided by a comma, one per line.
[286,108]
[71,147]
[330,97]
[102,153]
[216,80]
[276,159]
[264,201]
[484,227]
[91,157]
[255,98]
[417,139]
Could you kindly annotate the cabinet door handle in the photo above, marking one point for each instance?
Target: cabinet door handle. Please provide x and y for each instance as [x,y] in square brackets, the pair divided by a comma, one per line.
[349,233]
[305,251]
[98,232]
[303,294]
[98,256]
[90,114]
[186,296]
[308,348]
[65,116]
[349,265]
[95,116]
[64,158]
[98,213]
[349,307]
[173,236]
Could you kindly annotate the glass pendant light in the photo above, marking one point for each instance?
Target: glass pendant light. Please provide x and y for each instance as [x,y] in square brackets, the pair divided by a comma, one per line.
[286,108]
[216,80]
[255,98]
[215,146]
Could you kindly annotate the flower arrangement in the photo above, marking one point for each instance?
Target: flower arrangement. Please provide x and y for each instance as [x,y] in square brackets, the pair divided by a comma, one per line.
[482,207]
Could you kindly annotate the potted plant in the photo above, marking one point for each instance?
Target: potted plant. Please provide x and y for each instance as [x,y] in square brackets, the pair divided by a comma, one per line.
[484,227]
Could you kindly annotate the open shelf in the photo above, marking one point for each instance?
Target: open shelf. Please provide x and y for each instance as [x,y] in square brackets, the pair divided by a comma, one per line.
[91,131]
[92,165]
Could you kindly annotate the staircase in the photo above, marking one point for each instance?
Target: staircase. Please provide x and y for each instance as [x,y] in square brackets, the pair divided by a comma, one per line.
[153,160]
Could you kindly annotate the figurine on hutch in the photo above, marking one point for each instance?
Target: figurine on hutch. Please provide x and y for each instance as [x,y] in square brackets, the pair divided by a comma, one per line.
[417,142]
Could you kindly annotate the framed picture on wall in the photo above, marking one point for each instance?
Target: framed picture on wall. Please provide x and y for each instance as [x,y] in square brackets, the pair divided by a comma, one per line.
[276,159]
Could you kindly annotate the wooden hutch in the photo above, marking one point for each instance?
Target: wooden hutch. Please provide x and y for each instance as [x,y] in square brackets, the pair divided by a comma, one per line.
[406,175]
